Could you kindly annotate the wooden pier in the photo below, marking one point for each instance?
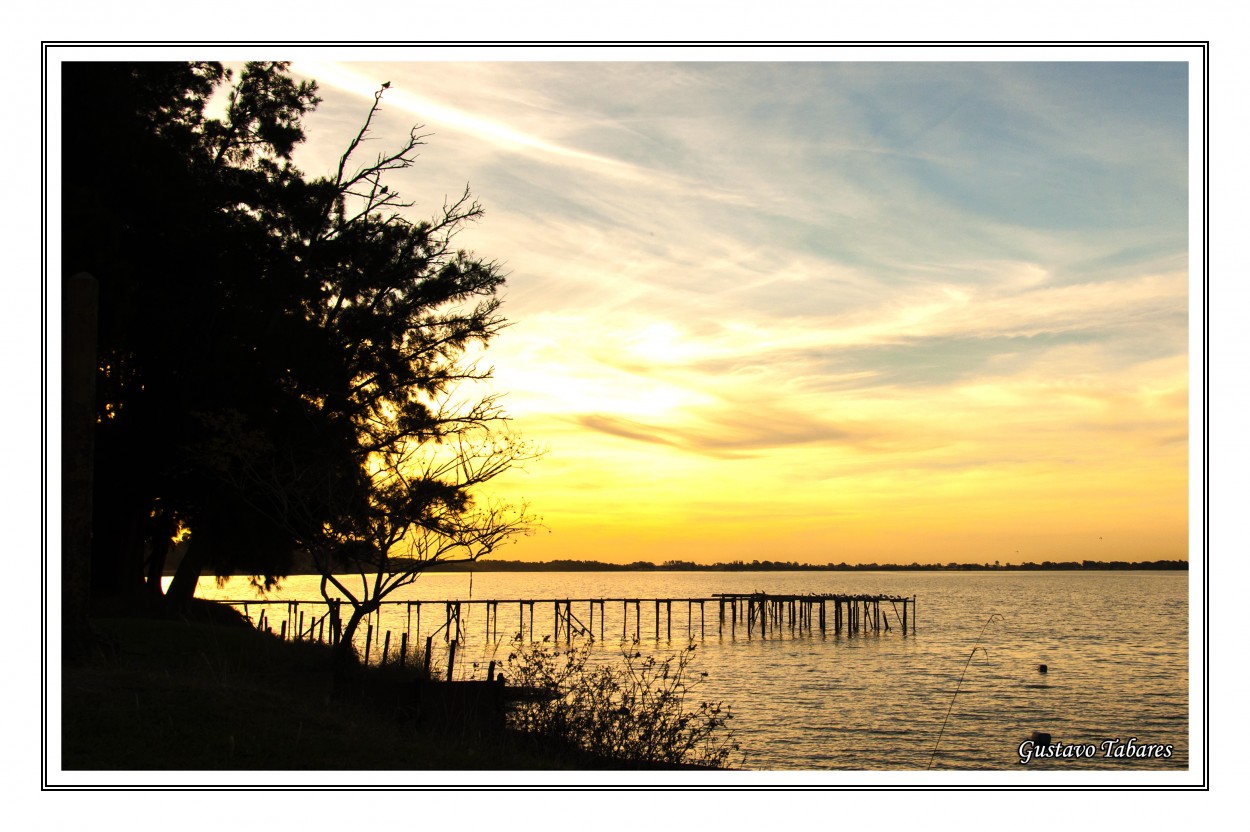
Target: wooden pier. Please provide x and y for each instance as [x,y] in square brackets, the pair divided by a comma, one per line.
[723,615]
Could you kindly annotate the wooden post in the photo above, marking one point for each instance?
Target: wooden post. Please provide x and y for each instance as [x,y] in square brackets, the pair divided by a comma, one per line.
[368,642]
[403,649]
[451,658]
[668,609]
[386,648]
[429,654]
[637,621]
[657,620]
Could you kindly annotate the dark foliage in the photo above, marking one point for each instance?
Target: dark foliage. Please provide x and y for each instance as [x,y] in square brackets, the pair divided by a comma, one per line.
[639,712]
[263,335]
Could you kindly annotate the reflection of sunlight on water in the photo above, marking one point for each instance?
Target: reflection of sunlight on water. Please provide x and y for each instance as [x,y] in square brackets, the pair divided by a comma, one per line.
[1117,667]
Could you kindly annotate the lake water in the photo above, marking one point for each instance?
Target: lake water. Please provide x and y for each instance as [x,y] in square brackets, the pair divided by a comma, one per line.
[1115,643]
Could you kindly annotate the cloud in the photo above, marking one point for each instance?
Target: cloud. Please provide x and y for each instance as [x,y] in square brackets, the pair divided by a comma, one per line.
[729,431]
[478,127]
[842,284]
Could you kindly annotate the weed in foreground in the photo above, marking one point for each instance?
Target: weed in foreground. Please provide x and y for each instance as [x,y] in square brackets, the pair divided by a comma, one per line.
[638,711]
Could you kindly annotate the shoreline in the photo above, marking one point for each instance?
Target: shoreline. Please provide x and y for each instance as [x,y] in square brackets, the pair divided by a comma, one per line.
[761,566]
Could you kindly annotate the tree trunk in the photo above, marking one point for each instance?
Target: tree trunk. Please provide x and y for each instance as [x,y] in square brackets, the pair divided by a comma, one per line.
[346,666]
[160,540]
[78,372]
[117,573]
[182,587]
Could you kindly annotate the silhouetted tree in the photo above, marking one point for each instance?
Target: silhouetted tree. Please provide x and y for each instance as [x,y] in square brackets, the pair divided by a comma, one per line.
[257,326]
[413,505]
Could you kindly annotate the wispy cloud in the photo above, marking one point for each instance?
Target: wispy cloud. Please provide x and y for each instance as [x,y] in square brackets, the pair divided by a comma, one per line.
[840,288]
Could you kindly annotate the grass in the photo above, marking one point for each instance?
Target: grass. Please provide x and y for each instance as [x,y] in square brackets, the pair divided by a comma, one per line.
[174,695]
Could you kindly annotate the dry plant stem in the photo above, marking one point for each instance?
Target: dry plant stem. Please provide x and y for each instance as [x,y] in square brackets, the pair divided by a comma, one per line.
[951,706]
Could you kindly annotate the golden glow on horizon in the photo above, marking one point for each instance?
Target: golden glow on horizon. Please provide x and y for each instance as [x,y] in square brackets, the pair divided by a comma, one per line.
[1018,469]
[748,354]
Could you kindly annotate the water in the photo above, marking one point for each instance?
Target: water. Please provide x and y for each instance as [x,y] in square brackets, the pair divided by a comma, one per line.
[1115,643]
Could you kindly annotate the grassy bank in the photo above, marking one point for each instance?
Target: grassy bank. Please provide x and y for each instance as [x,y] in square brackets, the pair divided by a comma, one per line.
[173,695]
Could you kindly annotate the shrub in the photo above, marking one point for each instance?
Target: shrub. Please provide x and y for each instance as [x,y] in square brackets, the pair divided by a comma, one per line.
[630,713]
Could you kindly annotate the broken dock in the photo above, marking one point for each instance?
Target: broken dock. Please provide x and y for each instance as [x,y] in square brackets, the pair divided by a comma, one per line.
[723,615]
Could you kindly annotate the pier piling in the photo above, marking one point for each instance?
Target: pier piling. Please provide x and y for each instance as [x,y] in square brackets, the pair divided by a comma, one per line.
[763,615]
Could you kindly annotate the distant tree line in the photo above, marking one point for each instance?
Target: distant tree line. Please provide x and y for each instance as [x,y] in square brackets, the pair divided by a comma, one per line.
[566,565]
[794,566]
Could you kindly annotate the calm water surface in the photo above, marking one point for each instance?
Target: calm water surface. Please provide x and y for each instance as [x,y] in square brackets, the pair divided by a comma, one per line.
[1115,643]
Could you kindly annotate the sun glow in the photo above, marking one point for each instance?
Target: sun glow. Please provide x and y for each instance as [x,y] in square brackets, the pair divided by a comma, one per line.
[814,344]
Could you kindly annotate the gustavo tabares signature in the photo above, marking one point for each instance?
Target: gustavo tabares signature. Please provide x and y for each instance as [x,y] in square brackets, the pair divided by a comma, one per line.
[1030,750]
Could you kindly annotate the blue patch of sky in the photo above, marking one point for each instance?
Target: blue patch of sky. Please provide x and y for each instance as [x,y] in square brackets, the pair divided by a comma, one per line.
[937,362]
[1059,150]
[926,363]
[1163,253]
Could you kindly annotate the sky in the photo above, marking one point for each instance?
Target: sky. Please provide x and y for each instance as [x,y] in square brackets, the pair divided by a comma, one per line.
[821,311]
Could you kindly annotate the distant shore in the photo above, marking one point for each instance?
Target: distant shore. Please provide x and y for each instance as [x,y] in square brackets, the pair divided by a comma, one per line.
[783,566]
[303,566]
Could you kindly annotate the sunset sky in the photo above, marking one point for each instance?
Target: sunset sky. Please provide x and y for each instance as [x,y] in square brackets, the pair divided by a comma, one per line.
[821,311]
